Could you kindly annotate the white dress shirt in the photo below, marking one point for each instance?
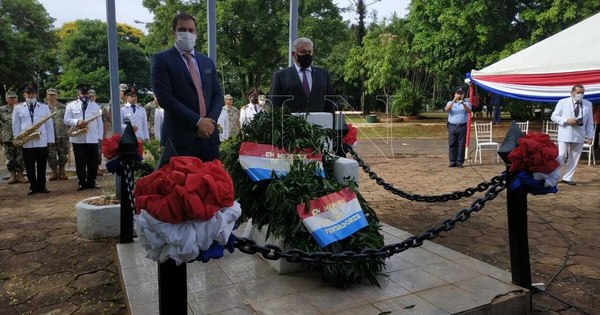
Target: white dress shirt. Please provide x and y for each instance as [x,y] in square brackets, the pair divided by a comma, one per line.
[22,120]
[74,113]
[137,118]
[159,117]
[223,122]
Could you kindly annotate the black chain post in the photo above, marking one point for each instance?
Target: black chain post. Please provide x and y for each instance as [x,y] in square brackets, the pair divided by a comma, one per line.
[516,211]
[172,288]
[127,149]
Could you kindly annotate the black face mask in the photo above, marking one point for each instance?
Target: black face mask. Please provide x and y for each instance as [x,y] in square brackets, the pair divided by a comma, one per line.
[84,99]
[304,60]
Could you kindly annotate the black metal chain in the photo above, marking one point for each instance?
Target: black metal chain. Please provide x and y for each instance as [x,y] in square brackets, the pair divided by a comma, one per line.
[422,198]
[274,252]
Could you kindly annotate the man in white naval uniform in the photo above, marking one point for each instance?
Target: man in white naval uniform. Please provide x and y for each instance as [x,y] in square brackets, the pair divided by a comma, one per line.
[575,127]
[85,145]
[136,114]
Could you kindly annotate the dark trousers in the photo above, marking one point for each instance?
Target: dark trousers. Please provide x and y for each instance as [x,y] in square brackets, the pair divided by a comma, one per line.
[457,135]
[35,165]
[86,163]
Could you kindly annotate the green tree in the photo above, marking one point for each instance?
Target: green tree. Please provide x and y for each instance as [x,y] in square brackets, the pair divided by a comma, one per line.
[27,43]
[251,35]
[83,56]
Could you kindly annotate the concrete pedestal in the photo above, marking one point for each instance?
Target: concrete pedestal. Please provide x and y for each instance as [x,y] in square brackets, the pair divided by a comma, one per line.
[95,222]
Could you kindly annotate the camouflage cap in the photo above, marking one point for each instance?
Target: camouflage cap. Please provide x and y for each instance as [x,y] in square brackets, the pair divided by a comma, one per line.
[51,91]
[92,93]
[123,86]
[228,97]
[11,93]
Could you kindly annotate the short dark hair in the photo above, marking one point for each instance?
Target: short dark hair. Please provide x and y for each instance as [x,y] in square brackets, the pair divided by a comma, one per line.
[577,86]
[182,16]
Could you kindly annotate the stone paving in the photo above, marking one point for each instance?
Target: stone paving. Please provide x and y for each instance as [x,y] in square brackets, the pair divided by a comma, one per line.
[563,227]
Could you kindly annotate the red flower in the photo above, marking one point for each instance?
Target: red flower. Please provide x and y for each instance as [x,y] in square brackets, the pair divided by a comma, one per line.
[350,137]
[536,153]
[110,147]
[185,189]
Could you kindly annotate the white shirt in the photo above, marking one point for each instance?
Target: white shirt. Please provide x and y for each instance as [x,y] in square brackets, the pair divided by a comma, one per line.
[159,117]
[248,111]
[138,119]
[301,73]
[567,133]
[74,113]
[223,122]
[22,120]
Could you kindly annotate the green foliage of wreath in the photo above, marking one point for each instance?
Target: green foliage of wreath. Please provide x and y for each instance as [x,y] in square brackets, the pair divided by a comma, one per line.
[273,202]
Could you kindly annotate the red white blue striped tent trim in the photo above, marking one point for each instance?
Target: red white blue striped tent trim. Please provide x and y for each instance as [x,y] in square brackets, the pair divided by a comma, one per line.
[547,70]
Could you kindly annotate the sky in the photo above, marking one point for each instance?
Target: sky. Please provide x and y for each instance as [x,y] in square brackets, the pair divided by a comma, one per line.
[127,11]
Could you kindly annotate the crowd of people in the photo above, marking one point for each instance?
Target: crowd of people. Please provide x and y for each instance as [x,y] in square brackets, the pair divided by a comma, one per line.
[189,110]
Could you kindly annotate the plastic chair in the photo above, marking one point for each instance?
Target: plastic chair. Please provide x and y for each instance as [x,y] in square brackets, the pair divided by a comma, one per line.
[552,130]
[524,126]
[483,138]
[589,148]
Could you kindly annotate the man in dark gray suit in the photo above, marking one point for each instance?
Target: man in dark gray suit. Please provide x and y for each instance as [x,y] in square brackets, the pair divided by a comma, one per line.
[186,85]
[302,87]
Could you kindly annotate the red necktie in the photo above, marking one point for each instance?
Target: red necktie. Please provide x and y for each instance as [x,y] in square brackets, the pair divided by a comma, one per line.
[197,83]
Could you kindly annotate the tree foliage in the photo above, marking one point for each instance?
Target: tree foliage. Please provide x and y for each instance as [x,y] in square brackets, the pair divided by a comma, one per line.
[252,36]
[83,56]
[27,43]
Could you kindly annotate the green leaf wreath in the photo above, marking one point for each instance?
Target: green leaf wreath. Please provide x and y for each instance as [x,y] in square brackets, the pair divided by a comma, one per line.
[273,202]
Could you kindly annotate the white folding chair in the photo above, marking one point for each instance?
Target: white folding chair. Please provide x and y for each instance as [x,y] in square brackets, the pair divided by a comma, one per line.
[552,130]
[589,148]
[483,138]
[524,126]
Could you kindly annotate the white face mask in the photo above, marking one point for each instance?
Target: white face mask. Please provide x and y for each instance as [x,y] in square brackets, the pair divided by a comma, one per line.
[185,40]
[578,97]
[30,101]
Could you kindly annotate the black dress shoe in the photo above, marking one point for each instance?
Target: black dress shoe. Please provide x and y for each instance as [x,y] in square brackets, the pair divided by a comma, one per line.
[92,186]
[452,165]
[568,182]
[31,192]
[44,190]
[80,188]
[459,165]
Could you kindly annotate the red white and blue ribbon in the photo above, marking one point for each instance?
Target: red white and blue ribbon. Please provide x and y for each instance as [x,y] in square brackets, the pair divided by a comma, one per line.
[332,217]
[261,160]
[547,70]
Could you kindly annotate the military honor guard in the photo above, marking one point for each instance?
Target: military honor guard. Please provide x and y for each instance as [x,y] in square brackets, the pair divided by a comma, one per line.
[249,110]
[33,131]
[136,114]
[83,118]
[58,152]
[13,155]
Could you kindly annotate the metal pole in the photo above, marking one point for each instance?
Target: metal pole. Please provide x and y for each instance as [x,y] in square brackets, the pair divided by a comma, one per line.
[293,29]
[211,12]
[113,67]
[516,208]
[172,288]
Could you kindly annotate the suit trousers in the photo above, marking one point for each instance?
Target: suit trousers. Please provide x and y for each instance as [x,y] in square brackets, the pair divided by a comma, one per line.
[457,135]
[35,166]
[571,152]
[86,163]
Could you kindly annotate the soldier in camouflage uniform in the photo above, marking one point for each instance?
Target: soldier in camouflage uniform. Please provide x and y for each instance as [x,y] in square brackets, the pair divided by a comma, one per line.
[150,110]
[14,156]
[58,152]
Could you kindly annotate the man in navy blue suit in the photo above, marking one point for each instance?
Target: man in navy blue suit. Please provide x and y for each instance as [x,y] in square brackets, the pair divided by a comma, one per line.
[186,85]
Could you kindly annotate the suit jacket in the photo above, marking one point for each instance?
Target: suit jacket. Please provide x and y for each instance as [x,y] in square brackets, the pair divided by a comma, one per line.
[287,90]
[176,94]
[21,121]
[568,133]
[74,112]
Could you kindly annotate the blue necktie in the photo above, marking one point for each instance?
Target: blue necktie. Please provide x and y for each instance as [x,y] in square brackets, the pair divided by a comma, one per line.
[133,107]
